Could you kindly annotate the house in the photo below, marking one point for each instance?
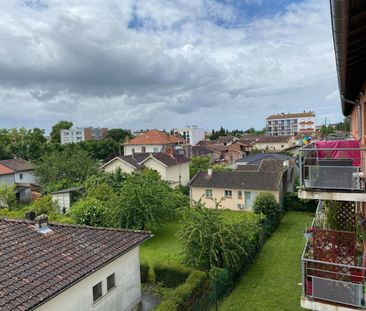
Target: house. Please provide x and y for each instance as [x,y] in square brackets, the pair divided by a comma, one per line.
[333,261]
[20,173]
[66,197]
[257,158]
[289,124]
[237,190]
[78,134]
[152,141]
[174,169]
[274,143]
[192,134]
[61,267]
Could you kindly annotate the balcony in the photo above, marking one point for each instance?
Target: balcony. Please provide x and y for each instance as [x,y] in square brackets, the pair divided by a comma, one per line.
[333,264]
[332,170]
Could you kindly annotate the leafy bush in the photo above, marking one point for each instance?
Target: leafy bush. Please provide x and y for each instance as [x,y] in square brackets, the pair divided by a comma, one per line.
[7,195]
[265,203]
[144,272]
[293,203]
[170,275]
[221,276]
[180,297]
[144,199]
[209,241]
[90,212]
[45,205]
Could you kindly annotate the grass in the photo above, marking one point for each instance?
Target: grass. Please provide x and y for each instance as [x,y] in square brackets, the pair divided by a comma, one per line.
[166,247]
[272,282]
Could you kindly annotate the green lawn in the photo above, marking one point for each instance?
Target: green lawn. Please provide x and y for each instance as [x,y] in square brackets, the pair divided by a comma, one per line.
[272,282]
[165,247]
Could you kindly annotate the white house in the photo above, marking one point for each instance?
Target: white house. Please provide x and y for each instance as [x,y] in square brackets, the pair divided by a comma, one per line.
[152,141]
[174,169]
[20,173]
[192,134]
[64,198]
[63,267]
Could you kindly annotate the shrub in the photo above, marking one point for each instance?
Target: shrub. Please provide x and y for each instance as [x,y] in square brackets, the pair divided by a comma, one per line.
[90,212]
[182,295]
[144,272]
[7,195]
[266,204]
[221,276]
[45,205]
[293,203]
[170,275]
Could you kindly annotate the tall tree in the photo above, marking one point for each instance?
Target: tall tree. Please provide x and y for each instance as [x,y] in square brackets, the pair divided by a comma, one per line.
[60,125]
[144,199]
[118,134]
[63,169]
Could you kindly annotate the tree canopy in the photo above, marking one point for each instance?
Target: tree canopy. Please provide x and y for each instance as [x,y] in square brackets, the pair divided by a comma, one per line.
[118,134]
[60,125]
[64,169]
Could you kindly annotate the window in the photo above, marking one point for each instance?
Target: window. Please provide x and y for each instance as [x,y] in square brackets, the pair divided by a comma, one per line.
[249,199]
[111,282]
[240,194]
[133,150]
[156,149]
[228,193]
[21,176]
[97,291]
[208,193]
[143,149]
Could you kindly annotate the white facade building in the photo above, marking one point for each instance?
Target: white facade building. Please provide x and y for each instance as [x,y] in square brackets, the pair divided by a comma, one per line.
[191,134]
[290,124]
[73,135]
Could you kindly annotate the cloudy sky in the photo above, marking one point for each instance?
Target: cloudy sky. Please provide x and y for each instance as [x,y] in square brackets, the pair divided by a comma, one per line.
[165,63]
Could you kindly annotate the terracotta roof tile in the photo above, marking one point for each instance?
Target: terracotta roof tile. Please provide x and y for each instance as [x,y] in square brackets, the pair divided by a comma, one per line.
[153,137]
[17,165]
[35,267]
[4,170]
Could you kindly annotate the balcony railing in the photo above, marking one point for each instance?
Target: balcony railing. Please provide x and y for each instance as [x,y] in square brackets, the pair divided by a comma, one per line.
[332,168]
[333,267]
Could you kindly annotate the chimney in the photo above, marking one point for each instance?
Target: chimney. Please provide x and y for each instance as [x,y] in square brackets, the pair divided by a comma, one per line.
[41,224]
[209,172]
[169,151]
[30,215]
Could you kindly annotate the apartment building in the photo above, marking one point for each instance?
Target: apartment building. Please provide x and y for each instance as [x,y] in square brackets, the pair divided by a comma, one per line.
[192,134]
[333,172]
[78,134]
[289,124]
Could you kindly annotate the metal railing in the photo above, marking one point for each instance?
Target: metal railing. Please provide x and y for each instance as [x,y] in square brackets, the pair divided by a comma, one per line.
[332,169]
[331,282]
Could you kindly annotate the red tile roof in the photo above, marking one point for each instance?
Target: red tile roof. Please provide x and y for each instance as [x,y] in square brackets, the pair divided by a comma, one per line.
[17,165]
[35,267]
[4,170]
[155,137]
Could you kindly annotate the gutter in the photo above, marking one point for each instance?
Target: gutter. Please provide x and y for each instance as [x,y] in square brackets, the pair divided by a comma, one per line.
[339,10]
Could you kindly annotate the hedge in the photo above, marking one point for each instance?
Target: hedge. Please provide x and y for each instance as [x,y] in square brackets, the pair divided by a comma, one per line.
[170,275]
[293,203]
[144,272]
[183,294]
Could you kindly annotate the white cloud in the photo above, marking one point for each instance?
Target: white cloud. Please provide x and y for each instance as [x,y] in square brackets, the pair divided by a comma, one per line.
[195,61]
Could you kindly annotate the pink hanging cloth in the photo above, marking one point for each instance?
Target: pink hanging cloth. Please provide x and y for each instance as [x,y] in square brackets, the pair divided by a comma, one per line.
[340,154]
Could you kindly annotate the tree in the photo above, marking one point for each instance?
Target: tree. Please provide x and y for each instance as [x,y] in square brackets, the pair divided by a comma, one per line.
[118,134]
[265,203]
[113,180]
[89,212]
[64,169]
[326,130]
[7,195]
[250,130]
[144,199]
[45,205]
[210,241]
[60,125]
[199,164]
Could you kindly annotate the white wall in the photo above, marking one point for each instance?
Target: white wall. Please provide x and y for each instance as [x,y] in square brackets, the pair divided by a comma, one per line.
[9,179]
[138,148]
[157,166]
[62,199]
[114,165]
[179,174]
[27,177]
[124,297]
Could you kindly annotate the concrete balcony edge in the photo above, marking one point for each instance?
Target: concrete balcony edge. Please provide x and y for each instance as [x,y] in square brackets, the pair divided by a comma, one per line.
[323,306]
[332,196]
